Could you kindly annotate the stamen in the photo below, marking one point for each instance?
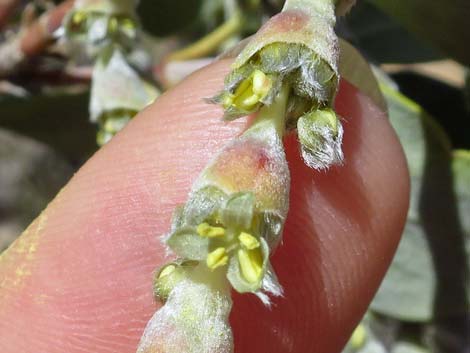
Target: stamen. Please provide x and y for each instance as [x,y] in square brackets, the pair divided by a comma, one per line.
[206,230]
[249,92]
[261,83]
[251,264]
[217,258]
[248,241]
[166,271]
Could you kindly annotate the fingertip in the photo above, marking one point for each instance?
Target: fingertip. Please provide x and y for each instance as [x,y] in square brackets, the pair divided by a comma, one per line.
[342,230]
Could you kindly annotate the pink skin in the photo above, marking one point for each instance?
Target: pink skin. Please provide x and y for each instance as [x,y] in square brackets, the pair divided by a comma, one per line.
[79,280]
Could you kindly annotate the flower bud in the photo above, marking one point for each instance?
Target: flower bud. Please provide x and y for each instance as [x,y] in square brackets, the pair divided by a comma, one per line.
[167,277]
[320,134]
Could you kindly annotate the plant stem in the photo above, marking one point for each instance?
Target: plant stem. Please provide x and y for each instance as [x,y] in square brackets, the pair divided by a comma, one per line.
[211,42]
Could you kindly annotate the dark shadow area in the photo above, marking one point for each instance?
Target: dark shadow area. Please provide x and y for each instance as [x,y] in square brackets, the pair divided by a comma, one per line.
[443,102]
[381,38]
[445,236]
[60,121]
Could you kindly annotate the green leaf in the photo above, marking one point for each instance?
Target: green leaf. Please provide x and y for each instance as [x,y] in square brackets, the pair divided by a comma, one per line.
[60,121]
[186,243]
[382,39]
[429,274]
[461,172]
[164,17]
[443,23]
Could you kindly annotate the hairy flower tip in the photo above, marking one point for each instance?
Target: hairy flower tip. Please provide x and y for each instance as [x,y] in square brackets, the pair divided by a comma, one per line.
[320,134]
[235,213]
[193,320]
[298,47]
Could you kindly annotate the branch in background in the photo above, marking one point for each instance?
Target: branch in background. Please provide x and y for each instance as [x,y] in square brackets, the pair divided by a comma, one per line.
[6,9]
[32,40]
[209,44]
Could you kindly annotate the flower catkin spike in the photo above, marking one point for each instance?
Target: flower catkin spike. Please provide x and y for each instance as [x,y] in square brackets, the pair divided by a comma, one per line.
[234,216]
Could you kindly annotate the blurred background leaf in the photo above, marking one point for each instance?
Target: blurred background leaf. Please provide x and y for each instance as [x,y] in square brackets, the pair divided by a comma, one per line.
[443,23]
[167,17]
[31,174]
[61,121]
[428,276]
[381,38]
[423,302]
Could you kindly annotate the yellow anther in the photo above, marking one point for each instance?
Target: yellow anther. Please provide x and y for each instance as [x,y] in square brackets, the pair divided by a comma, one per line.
[251,264]
[261,83]
[248,241]
[166,271]
[127,24]
[250,101]
[113,25]
[78,17]
[206,230]
[217,258]
[227,100]
[250,91]
[358,338]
